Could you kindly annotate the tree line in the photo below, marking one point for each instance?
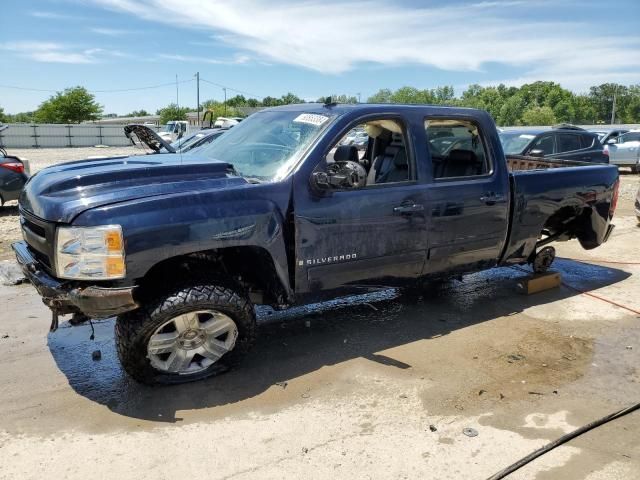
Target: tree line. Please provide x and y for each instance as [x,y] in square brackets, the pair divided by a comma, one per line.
[537,103]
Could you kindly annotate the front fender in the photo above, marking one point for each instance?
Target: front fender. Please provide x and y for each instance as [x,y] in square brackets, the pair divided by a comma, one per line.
[159,228]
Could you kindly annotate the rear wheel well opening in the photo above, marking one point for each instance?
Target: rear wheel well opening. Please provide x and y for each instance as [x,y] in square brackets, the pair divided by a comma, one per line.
[249,270]
[561,226]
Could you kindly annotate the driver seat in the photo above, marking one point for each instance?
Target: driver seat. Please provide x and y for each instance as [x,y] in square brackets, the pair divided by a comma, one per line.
[385,163]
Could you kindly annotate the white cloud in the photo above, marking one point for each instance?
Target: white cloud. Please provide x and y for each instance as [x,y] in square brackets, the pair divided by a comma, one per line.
[111,32]
[50,15]
[333,37]
[50,52]
[237,60]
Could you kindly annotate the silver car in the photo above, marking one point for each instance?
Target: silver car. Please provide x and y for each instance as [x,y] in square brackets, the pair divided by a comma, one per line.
[625,151]
[638,205]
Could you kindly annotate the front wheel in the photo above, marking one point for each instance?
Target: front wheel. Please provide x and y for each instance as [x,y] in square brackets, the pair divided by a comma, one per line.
[192,333]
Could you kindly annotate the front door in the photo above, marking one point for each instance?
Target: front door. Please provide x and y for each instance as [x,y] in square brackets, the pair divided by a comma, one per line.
[375,233]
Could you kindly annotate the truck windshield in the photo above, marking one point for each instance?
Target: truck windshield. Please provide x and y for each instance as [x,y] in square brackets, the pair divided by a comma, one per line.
[268,144]
[168,127]
[515,143]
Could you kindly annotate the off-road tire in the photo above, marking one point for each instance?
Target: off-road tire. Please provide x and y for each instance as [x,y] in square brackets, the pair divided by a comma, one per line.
[133,330]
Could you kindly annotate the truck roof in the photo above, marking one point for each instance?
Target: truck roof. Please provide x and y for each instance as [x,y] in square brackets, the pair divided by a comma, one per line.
[341,108]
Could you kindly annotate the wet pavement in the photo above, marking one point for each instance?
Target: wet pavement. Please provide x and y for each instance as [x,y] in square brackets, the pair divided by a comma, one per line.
[350,388]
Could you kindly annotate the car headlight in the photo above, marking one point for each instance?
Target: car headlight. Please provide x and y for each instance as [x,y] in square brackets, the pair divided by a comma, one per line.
[90,253]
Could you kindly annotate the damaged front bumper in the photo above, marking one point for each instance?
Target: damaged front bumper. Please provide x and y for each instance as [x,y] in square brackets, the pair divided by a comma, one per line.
[68,297]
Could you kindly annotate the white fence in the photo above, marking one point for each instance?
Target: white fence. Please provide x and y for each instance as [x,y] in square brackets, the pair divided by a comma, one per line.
[36,135]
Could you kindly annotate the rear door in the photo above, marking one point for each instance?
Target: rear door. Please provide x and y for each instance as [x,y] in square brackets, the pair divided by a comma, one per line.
[468,196]
[579,146]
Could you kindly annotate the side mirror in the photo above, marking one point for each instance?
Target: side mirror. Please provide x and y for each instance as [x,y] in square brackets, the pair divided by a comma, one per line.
[536,152]
[320,180]
[611,141]
[340,175]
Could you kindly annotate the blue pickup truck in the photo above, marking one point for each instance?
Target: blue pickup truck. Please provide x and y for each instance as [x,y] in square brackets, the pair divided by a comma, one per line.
[278,212]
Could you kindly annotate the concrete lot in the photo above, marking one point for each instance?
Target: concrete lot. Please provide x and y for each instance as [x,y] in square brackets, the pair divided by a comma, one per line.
[349,389]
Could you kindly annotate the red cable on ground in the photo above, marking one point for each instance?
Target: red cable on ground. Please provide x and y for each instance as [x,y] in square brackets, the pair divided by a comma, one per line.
[593,295]
[599,261]
[601,298]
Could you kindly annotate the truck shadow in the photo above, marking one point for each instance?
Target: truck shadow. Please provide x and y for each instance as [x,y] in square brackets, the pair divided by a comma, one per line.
[302,340]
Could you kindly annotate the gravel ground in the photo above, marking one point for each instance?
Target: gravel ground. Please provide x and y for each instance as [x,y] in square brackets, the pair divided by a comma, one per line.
[372,387]
[375,388]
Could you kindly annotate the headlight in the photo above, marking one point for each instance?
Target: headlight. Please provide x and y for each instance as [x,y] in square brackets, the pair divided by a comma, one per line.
[90,253]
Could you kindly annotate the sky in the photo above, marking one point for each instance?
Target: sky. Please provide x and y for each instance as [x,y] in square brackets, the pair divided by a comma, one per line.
[313,48]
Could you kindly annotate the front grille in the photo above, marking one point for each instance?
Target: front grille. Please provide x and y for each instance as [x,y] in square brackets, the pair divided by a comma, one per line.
[40,236]
[37,229]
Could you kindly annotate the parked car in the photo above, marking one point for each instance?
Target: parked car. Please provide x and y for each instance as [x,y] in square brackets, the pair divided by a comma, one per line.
[637,205]
[607,135]
[14,173]
[143,135]
[625,151]
[359,139]
[13,176]
[570,143]
[181,247]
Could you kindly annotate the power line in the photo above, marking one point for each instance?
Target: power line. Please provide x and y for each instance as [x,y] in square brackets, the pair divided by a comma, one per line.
[229,88]
[99,91]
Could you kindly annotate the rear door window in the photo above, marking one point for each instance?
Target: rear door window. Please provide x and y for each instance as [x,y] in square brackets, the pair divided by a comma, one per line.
[568,142]
[587,141]
[457,148]
[544,143]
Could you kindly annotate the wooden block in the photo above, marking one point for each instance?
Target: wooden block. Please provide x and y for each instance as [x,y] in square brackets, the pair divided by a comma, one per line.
[539,282]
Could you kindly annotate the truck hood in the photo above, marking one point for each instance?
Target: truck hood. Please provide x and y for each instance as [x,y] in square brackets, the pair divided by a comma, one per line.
[62,192]
[147,136]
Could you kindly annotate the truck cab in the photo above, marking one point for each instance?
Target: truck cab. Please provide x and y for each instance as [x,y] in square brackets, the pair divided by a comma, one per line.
[174,130]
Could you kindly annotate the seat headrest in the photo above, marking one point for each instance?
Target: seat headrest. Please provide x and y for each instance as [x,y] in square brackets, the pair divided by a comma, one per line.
[466,156]
[397,139]
[346,153]
[400,160]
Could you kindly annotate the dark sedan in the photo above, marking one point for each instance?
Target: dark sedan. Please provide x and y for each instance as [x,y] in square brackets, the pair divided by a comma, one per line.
[566,143]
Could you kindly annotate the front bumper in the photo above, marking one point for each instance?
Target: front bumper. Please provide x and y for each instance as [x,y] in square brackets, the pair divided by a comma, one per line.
[69,297]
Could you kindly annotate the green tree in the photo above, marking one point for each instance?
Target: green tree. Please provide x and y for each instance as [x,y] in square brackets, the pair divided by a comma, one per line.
[511,111]
[138,113]
[602,100]
[289,99]
[237,101]
[172,112]
[381,96]
[538,116]
[73,105]
[271,102]
[3,117]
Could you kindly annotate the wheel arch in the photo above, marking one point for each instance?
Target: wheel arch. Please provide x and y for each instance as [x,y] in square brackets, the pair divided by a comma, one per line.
[249,268]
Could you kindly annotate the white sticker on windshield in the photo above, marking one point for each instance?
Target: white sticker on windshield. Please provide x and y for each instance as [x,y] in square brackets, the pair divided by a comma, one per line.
[527,136]
[311,118]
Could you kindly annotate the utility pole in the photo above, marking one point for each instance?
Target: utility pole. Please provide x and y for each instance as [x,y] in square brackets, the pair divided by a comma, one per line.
[358,97]
[225,100]
[613,108]
[198,96]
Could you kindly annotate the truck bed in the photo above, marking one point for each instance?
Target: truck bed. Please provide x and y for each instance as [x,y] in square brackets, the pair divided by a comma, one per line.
[522,162]
[549,193]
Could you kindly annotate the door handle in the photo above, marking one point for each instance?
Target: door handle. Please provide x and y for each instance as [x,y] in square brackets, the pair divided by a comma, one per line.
[491,198]
[408,207]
